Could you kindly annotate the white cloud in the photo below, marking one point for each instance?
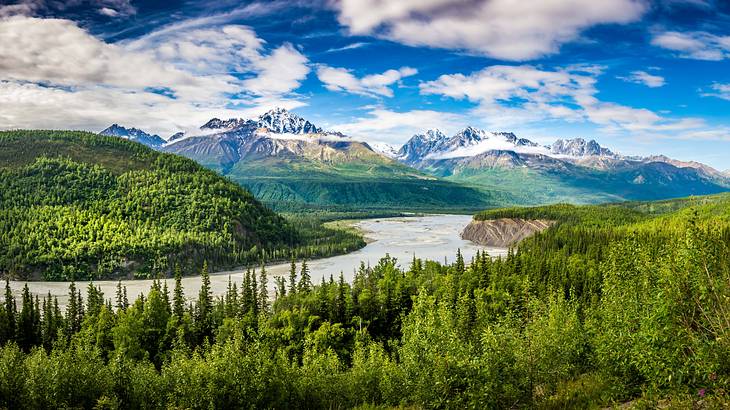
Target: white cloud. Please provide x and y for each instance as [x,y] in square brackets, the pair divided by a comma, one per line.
[519,95]
[56,75]
[504,29]
[698,45]
[642,77]
[111,8]
[342,79]
[393,127]
[278,73]
[719,90]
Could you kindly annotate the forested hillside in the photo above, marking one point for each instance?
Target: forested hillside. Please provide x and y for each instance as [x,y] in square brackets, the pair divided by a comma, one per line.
[76,205]
[615,305]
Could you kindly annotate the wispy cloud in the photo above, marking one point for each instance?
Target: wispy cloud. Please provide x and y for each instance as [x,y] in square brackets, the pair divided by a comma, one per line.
[642,77]
[698,45]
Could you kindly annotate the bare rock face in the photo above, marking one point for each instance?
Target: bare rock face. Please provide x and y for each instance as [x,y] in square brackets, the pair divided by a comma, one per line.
[503,232]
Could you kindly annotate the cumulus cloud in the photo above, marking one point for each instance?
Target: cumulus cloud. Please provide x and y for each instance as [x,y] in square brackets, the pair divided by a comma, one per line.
[163,81]
[504,29]
[342,79]
[642,77]
[524,94]
[698,45]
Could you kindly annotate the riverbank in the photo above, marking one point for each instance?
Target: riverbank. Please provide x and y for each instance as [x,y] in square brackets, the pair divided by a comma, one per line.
[434,237]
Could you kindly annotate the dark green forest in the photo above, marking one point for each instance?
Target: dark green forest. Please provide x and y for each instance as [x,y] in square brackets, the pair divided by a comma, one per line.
[613,305]
[75,205]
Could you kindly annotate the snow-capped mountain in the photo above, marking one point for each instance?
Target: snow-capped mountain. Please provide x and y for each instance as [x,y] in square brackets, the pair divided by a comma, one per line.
[276,135]
[568,170]
[282,121]
[134,134]
[216,124]
[578,147]
[384,148]
[434,145]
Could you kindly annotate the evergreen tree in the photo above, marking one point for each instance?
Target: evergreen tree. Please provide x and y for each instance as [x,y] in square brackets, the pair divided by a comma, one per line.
[178,297]
[7,330]
[263,290]
[73,324]
[305,281]
[459,266]
[120,296]
[204,306]
[26,332]
[293,278]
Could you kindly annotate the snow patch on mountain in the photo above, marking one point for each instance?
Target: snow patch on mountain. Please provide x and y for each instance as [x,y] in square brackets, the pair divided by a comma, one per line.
[133,134]
[384,148]
[282,121]
[471,142]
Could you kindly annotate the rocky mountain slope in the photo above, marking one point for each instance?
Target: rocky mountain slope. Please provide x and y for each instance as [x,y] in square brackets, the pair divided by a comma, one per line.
[290,163]
[134,134]
[576,170]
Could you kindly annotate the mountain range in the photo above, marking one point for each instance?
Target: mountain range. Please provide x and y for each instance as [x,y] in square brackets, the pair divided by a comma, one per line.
[289,162]
[573,170]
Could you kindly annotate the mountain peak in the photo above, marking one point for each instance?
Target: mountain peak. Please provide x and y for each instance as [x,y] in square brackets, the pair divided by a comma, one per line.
[218,124]
[280,121]
[133,134]
[579,147]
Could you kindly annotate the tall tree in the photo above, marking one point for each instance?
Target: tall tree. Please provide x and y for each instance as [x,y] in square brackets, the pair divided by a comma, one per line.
[178,297]
[263,290]
[293,278]
[305,281]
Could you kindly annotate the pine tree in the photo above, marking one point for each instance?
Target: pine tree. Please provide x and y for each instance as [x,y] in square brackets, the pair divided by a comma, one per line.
[178,298]
[25,332]
[205,303]
[263,290]
[305,282]
[120,296]
[459,266]
[72,310]
[293,278]
[341,300]
[9,313]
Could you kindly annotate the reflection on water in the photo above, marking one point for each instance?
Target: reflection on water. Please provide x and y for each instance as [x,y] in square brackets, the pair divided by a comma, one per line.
[434,237]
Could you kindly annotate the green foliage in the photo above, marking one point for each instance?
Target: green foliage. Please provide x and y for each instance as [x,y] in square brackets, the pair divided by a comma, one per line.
[75,205]
[628,304]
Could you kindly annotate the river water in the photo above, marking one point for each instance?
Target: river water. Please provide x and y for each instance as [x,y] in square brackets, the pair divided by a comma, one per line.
[434,237]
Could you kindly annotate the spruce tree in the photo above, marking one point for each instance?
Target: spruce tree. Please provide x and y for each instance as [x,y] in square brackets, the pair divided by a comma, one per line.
[9,313]
[204,306]
[305,282]
[263,290]
[459,266]
[293,278]
[178,298]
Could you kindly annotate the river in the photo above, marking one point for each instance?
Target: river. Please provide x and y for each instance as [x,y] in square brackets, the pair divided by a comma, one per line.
[434,237]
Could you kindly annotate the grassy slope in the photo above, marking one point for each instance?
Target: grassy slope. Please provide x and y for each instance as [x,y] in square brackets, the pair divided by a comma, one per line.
[356,185]
[581,185]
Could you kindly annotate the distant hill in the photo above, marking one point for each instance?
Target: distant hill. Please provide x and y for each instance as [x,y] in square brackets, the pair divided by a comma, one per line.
[80,205]
[291,164]
[576,170]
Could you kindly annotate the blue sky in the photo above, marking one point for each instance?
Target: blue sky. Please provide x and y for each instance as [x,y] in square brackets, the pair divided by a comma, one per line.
[639,76]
